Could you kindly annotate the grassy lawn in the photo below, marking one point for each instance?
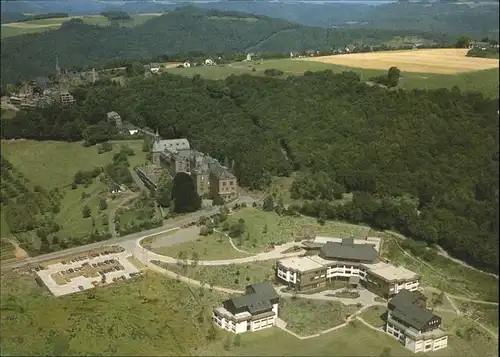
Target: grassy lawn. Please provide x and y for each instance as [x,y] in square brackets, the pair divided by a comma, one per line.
[53,164]
[213,247]
[373,315]
[485,81]
[356,340]
[285,229]
[128,318]
[445,274]
[234,276]
[34,26]
[308,317]
[71,217]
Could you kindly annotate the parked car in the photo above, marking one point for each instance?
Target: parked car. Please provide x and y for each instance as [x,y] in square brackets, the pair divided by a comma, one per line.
[80,287]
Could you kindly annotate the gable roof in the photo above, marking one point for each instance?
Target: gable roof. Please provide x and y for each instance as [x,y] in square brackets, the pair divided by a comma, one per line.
[257,298]
[349,251]
[406,311]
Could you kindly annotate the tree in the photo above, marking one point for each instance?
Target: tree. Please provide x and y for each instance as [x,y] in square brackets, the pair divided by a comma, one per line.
[393,76]
[237,340]
[103,204]
[268,204]
[86,212]
[184,194]
[463,42]
[164,193]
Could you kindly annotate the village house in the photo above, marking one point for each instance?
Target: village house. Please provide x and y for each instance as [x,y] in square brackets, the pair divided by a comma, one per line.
[209,62]
[416,327]
[254,311]
[114,116]
[186,64]
[331,258]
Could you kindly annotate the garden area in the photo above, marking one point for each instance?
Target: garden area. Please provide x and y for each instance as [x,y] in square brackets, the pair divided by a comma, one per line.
[308,317]
[233,276]
[263,229]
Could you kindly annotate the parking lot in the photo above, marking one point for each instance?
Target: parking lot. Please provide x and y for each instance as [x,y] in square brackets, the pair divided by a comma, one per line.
[87,271]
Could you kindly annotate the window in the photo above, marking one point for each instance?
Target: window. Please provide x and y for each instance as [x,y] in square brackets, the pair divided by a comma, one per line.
[224,183]
[231,183]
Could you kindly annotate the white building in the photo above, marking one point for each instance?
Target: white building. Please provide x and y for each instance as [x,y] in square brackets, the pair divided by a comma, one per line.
[186,64]
[416,327]
[209,62]
[345,259]
[254,311]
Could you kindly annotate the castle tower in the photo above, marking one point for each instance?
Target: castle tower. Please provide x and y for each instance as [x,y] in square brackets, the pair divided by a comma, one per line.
[93,75]
[157,136]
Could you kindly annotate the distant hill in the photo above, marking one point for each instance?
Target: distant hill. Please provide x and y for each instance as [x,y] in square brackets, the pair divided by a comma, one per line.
[180,31]
[475,19]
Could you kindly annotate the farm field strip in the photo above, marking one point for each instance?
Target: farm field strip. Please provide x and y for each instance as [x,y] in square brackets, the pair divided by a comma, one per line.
[442,61]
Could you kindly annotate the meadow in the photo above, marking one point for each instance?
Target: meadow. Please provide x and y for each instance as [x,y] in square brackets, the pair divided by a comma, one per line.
[212,247]
[34,26]
[307,317]
[485,81]
[444,274]
[53,165]
[149,316]
[263,229]
[234,276]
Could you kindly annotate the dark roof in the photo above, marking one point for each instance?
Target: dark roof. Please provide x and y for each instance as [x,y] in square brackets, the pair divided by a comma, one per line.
[406,297]
[114,186]
[349,251]
[257,298]
[413,316]
[406,311]
[265,289]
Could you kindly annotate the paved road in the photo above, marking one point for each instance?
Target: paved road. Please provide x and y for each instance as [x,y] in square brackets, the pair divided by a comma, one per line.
[113,241]
[125,241]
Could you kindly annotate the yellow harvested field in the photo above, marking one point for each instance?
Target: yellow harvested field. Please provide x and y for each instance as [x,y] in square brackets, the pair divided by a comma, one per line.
[444,61]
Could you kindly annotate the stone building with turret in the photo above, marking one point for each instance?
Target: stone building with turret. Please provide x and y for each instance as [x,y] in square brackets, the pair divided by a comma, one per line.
[210,177]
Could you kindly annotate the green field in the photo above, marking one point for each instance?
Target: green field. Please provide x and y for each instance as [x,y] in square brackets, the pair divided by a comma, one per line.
[234,276]
[307,317]
[152,316]
[25,27]
[212,247]
[52,164]
[374,315]
[485,81]
[266,228]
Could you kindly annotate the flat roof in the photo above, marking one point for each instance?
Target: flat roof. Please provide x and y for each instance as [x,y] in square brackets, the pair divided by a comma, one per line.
[390,272]
[375,241]
[302,264]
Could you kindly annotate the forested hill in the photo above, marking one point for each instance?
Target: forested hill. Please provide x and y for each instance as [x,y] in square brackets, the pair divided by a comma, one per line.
[424,163]
[180,31]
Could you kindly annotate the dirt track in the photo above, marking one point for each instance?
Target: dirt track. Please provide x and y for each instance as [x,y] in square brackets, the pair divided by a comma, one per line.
[444,61]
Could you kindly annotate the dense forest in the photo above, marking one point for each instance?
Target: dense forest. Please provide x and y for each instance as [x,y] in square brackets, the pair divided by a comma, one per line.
[180,31]
[422,162]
